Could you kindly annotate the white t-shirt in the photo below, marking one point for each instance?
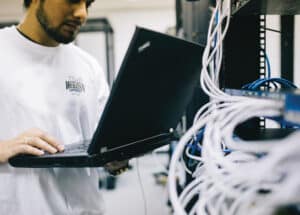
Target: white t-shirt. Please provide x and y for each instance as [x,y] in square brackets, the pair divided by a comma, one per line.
[61,90]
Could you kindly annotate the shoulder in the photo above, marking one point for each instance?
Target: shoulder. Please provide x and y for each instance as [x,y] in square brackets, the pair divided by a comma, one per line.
[7,31]
[8,40]
[82,57]
[80,54]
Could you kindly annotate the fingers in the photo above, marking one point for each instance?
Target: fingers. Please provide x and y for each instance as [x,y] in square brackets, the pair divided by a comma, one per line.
[46,139]
[118,172]
[52,141]
[14,147]
[27,149]
[35,142]
[117,167]
[117,164]
[40,144]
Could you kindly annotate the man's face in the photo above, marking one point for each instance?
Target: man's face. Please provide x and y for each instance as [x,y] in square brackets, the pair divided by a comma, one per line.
[61,19]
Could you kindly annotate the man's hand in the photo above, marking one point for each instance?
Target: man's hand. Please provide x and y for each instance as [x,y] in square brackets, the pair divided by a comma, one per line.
[117,167]
[33,141]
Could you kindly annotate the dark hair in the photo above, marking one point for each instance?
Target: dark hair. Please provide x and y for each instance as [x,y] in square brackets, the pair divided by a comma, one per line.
[27,3]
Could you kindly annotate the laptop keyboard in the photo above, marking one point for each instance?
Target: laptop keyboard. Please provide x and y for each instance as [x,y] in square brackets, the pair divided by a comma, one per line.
[71,149]
[75,148]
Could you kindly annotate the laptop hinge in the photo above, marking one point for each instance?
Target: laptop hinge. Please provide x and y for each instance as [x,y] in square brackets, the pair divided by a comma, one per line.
[103,149]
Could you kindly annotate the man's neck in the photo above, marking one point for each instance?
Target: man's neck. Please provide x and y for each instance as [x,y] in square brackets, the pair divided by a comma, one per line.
[24,35]
[31,29]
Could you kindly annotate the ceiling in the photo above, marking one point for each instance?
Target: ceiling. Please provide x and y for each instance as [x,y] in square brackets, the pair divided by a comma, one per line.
[12,9]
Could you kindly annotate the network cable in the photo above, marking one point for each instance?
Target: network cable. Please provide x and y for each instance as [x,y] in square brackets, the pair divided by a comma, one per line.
[275,83]
[142,187]
[233,176]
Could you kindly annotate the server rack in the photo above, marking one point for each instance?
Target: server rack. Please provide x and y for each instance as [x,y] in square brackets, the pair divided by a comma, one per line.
[245,44]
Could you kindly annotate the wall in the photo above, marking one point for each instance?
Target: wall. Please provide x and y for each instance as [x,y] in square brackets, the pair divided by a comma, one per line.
[273,44]
[273,47]
[124,22]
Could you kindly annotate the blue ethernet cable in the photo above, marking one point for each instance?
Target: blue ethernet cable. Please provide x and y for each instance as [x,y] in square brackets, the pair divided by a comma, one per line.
[286,84]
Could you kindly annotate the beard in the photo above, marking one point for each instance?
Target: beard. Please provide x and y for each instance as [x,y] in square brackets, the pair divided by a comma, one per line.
[54,32]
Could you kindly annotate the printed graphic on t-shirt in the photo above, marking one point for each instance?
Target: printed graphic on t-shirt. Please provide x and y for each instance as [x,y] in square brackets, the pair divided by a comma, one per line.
[75,85]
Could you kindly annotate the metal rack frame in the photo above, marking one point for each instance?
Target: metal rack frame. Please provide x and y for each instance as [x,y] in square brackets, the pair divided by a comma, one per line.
[244,61]
[103,25]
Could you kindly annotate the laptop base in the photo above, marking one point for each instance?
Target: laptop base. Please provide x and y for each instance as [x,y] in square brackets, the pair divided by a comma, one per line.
[80,160]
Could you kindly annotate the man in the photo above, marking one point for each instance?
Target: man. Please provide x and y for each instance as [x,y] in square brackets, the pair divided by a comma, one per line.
[51,93]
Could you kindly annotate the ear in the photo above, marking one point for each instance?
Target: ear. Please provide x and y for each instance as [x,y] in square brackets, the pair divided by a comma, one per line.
[34,4]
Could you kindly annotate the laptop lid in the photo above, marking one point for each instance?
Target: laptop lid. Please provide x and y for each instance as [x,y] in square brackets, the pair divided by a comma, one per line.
[153,88]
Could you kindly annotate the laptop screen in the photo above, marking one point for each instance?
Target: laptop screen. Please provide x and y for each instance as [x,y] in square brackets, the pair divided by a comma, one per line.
[152,90]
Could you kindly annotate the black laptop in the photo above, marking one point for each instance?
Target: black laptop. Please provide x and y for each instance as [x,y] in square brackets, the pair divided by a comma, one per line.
[148,98]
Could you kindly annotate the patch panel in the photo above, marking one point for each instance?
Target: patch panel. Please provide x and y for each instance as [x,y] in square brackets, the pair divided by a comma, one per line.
[290,99]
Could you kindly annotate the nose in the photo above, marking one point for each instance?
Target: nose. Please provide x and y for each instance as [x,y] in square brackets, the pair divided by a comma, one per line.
[80,11]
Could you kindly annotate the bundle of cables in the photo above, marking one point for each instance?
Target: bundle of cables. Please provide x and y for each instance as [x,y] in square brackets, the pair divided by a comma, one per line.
[276,83]
[231,176]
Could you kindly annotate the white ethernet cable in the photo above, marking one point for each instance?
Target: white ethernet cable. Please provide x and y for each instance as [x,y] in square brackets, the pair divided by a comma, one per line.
[242,179]
[212,55]
[257,176]
[223,177]
[212,159]
[212,58]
